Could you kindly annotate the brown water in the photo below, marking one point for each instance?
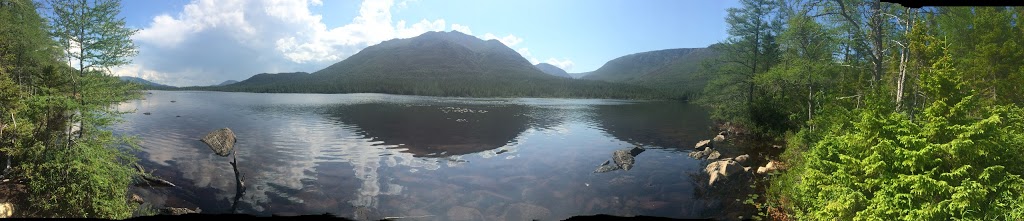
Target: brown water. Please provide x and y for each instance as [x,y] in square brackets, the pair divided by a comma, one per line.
[370,156]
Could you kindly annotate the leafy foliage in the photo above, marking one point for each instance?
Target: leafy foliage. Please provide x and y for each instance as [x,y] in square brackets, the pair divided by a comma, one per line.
[751,49]
[960,160]
[889,113]
[53,124]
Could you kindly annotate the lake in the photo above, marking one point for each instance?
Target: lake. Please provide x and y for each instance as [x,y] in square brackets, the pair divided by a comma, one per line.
[370,156]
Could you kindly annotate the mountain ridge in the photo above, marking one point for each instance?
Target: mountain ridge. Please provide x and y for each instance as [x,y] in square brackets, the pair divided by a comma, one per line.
[552,70]
[438,64]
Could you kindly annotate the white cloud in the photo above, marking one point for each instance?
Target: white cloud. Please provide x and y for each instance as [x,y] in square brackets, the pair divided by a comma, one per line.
[419,28]
[216,40]
[461,28]
[564,64]
[211,41]
[525,52]
[510,40]
[403,4]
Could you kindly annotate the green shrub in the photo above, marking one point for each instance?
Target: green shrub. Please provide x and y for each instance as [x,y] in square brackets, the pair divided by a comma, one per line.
[958,160]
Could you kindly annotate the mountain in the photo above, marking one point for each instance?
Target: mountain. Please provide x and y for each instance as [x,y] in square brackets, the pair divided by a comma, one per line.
[552,70]
[438,64]
[147,85]
[634,65]
[227,82]
[672,71]
[578,75]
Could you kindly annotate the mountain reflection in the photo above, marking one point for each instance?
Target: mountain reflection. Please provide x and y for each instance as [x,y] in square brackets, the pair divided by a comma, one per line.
[660,124]
[435,130]
[369,156]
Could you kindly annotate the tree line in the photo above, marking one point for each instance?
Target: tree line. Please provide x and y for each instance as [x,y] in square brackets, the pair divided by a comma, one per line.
[56,94]
[888,112]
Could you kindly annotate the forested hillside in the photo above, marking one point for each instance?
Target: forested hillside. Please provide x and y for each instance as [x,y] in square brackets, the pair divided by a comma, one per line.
[552,70]
[672,71]
[147,85]
[438,64]
[890,113]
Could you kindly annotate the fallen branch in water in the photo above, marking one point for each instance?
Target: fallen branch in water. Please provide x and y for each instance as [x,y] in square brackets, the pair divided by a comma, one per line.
[239,181]
[152,180]
[405,217]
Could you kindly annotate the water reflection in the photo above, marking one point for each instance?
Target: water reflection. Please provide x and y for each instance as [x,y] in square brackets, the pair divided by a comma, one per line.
[426,130]
[368,156]
[671,125]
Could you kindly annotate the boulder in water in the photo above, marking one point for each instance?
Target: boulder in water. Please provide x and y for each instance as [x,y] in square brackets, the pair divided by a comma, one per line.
[721,169]
[137,199]
[714,155]
[702,144]
[606,166]
[221,141]
[708,153]
[623,159]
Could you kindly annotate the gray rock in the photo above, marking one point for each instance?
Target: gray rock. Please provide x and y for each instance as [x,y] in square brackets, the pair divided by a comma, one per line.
[742,159]
[702,144]
[606,168]
[708,153]
[699,154]
[714,155]
[137,199]
[6,210]
[623,159]
[721,169]
[772,166]
[636,150]
[221,141]
[719,138]
[179,211]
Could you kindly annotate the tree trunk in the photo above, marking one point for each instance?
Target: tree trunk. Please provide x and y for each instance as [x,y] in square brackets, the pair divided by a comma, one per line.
[904,59]
[876,29]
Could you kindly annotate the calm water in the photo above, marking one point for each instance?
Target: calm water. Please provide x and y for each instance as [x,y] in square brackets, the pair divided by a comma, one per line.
[370,156]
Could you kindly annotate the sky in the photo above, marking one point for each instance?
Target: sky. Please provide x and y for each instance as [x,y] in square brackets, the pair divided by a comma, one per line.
[206,42]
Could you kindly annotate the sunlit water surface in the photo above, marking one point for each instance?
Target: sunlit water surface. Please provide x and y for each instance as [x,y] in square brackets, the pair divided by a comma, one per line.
[370,156]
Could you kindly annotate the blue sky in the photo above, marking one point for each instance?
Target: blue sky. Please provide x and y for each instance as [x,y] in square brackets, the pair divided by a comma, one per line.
[203,42]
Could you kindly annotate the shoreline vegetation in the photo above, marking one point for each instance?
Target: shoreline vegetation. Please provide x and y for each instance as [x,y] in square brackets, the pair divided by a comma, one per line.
[885,112]
[61,161]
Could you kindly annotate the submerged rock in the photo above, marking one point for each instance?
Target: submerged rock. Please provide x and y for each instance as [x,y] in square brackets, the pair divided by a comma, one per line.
[606,166]
[708,153]
[221,141]
[524,211]
[459,213]
[179,211]
[623,159]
